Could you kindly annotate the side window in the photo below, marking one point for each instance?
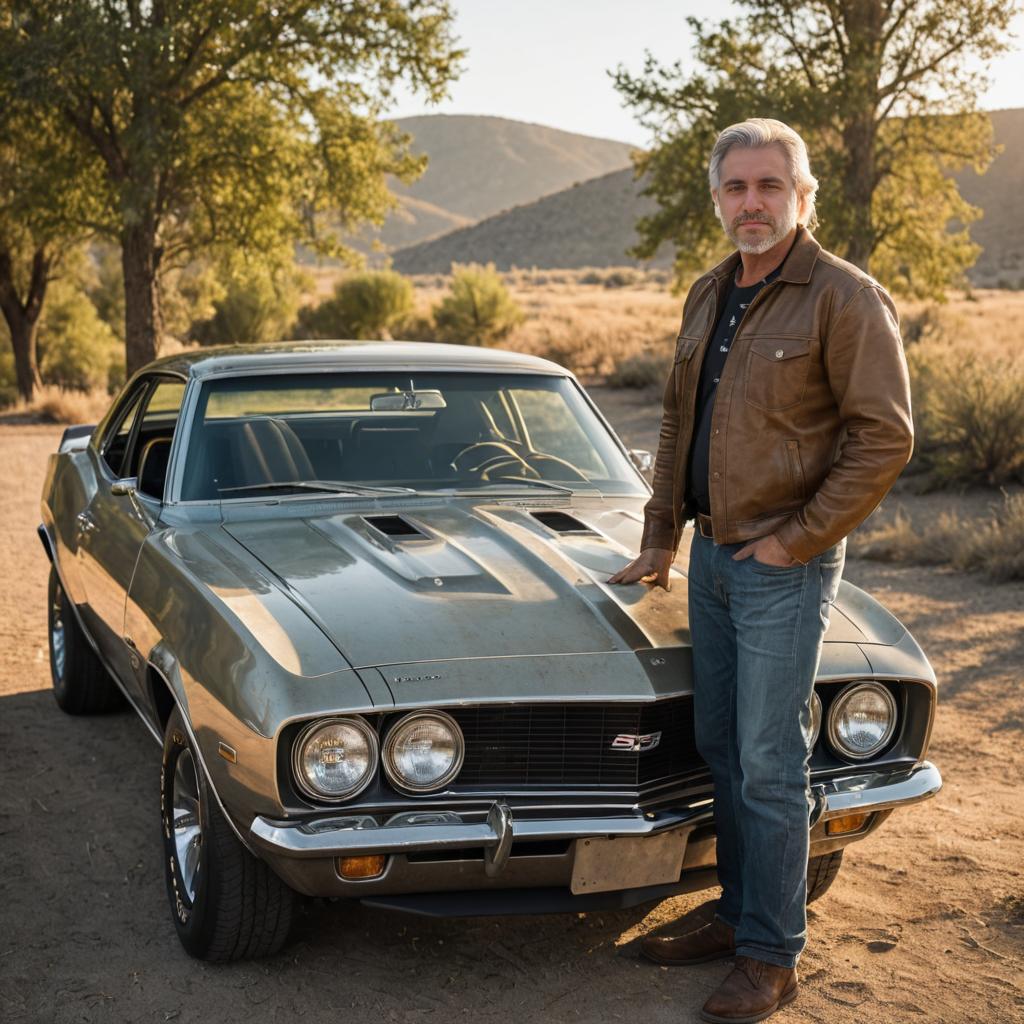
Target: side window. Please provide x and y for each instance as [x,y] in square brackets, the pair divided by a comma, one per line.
[152,448]
[115,445]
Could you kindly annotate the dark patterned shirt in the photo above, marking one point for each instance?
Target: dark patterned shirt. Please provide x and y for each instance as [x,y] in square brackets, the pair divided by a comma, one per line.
[737,300]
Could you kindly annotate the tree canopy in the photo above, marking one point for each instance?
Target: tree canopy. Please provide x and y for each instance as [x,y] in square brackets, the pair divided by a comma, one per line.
[227,125]
[47,197]
[884,92]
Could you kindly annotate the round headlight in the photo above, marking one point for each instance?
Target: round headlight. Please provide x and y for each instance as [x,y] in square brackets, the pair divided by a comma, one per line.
[861,720]
[424,751]
[334,760]
[815,727]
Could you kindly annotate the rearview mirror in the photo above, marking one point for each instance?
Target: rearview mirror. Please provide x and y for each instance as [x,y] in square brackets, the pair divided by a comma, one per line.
[402,401]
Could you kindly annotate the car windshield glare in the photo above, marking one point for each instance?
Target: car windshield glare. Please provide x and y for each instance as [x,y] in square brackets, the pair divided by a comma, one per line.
[255,435]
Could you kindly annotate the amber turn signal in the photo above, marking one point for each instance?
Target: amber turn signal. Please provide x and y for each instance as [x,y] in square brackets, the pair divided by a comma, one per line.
[361,867]
[846,824]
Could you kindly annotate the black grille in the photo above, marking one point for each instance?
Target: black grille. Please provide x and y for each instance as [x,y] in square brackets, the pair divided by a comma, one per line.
[571,744]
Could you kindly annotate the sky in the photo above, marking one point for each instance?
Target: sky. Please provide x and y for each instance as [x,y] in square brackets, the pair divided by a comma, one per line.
[546,61]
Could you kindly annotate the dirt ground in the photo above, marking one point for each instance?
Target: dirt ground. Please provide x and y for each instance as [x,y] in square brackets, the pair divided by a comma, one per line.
[925,922]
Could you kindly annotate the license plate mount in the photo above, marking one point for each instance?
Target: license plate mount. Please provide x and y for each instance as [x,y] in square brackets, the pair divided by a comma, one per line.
[604,864]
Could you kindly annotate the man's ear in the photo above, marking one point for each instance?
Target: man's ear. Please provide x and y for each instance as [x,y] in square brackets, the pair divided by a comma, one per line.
[714,200]
[803,211]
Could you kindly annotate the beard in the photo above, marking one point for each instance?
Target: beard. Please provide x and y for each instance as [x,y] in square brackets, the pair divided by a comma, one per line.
[777,229]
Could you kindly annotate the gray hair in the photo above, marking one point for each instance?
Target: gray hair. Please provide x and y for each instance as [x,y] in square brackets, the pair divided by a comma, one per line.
[766,131]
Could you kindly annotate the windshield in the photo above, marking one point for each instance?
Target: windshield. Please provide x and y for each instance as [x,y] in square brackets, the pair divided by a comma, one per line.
[296,433]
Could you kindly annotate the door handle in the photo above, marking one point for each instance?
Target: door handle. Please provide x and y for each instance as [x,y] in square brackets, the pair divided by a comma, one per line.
[85,522]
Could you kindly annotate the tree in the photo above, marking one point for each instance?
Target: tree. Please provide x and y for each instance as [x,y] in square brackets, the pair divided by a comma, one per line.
[46,203]
[229,123]
[882,91]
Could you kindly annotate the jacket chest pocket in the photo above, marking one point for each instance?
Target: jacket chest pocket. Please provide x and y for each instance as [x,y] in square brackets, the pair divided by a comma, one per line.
[685,348]
[777,371]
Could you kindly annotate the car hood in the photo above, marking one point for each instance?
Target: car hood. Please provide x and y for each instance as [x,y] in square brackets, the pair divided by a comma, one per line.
[443,580]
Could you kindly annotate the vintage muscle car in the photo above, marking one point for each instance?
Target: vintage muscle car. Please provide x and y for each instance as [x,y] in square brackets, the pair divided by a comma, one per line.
[358,592]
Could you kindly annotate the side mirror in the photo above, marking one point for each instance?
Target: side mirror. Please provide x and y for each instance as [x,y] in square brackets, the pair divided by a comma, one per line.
[125,487]
[641,459]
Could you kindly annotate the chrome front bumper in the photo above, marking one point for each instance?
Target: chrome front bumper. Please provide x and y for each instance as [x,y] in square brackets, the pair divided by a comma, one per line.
[415,832]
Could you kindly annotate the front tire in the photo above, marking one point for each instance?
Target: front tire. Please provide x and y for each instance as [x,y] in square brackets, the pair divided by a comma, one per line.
[81,685]
[226,904]
[821,873]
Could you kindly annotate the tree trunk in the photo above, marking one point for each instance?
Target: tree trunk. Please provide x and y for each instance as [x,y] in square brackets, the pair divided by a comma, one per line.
[863,28]
[859,188]
[143,322]
[23,318]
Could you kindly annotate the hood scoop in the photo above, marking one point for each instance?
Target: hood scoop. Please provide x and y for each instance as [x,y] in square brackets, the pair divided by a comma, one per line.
[561,522]
[395,526]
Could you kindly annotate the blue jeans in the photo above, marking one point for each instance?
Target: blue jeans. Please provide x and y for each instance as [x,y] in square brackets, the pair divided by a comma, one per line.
[757,631]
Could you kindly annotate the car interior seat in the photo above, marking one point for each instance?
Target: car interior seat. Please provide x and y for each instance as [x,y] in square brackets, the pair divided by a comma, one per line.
[268,451]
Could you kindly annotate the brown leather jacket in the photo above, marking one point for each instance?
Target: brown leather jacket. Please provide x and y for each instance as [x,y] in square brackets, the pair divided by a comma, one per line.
[812,420]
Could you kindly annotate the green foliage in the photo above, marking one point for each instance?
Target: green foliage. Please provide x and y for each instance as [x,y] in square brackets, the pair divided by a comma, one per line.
[478,308]
[364,305]
[189,294]
[225,125]
[77,349]
[885,97]
[256,305]
[47,206]
[103,282]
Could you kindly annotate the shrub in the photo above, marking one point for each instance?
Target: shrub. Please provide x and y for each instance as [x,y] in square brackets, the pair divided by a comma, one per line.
[995,547]
[969,415]
[478,308]
[364,305]
[622,278]
[415,327]
[924,323]
[641,370]
[58,405]
[258,305]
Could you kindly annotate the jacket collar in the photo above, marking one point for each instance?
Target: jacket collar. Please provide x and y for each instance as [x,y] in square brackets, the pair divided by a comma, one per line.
[796,268]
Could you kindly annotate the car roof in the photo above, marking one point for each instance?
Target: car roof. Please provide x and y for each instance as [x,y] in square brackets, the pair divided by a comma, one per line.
[321,355]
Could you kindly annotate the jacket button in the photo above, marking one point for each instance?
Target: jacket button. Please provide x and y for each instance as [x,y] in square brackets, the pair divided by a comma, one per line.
[779,353]
[716,475]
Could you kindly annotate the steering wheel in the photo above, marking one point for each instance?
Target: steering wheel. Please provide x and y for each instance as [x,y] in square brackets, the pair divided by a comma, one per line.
[541,457]
[491,455]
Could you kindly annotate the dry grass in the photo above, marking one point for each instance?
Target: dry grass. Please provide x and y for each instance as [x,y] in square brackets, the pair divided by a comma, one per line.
[992,545]
[59,405]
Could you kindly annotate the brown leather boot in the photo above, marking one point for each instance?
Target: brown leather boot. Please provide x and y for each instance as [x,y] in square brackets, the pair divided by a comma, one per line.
[752,991]
[711,941]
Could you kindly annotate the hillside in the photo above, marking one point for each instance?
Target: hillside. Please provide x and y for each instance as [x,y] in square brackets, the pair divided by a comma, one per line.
[479,166]
[1000,193]
[593,223]
[589,225]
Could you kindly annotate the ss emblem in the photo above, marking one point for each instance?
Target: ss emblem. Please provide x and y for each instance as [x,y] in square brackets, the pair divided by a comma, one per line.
[627,741]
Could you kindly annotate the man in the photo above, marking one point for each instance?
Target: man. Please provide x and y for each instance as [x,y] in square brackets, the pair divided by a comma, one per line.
[786,420]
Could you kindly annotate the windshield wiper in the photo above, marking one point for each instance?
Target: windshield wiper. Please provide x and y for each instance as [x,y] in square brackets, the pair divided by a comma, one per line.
[322,486]
[515,482]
